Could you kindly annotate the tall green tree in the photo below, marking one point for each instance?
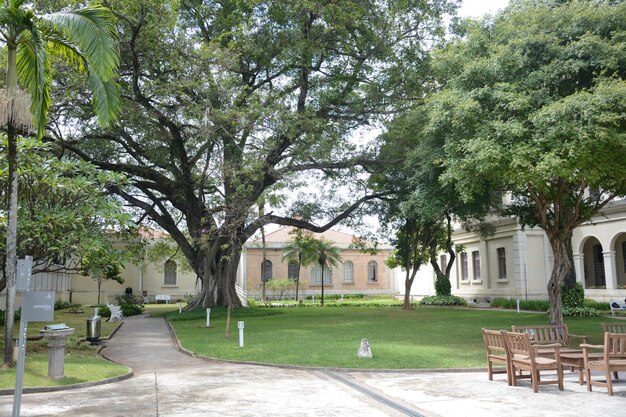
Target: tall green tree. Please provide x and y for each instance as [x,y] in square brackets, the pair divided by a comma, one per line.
[327,254]
[87,39]
[228,100]
[64,210]
[301,250]
[534,103]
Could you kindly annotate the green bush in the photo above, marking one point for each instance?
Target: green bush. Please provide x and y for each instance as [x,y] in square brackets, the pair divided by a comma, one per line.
[443,286]
[601,306]
[573,298]
[188,298]
[126,299]
[104,311]
[443,300]
[62,305]
[131,309]
[580,312]
[528,305]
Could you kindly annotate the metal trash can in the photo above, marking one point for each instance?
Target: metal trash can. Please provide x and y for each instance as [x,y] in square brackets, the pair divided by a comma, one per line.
[94,325]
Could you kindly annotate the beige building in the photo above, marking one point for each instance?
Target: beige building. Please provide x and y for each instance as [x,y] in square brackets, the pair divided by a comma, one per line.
[357,273]
[517,263]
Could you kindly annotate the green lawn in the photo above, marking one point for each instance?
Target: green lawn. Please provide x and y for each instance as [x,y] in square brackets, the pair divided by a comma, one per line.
[82,364]
[330,336]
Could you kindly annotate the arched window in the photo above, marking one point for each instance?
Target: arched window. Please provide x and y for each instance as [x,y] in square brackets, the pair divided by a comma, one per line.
[372,271]
[348,272]
[169,273]
[316,275]
[292,270]
[266,270]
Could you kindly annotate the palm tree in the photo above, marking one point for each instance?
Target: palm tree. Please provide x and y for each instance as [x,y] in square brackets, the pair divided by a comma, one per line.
[87,39]
[302,250]
[327,255]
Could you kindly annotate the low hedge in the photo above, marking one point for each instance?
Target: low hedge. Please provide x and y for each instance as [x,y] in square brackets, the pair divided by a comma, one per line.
[529,305]
[443,300]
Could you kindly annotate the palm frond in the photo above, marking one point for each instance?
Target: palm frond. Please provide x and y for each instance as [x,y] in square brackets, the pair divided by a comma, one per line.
[106,98]
[33,71]
[93,30]
[63,47]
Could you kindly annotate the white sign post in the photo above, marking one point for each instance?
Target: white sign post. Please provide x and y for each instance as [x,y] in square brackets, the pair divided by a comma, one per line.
[240,326]
[36,306]
[208,317]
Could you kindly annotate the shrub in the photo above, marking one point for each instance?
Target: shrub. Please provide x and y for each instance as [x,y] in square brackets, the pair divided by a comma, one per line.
[62,305]
[443,300]
[597,305]
[131,309]
[104,311]
[126,299]
[529,305]
[188,298]
[75,308]
[580,312]
[443,286]
[573,298]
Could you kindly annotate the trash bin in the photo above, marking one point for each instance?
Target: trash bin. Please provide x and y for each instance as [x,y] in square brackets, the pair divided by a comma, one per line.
[94,325]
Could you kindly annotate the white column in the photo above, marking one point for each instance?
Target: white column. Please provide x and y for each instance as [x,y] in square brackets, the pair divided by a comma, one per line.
[579,267]
[484,264]
[610,271]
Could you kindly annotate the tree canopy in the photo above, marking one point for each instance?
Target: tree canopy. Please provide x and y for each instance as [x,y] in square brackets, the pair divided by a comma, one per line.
[228,101]
[533,103]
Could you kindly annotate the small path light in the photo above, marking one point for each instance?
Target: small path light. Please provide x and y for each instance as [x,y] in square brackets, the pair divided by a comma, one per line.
[208,317]
[240,326]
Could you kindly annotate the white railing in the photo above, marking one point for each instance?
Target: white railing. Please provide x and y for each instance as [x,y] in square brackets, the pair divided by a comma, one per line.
[242,294]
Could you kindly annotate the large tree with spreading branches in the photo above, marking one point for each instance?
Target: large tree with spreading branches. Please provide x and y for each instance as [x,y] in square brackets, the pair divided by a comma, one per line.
[228,101]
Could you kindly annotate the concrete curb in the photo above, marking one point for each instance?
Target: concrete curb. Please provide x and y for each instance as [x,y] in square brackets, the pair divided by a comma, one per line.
[33,390]
[317,368]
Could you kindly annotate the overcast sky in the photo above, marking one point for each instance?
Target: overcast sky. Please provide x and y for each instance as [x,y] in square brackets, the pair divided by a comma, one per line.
[477,8]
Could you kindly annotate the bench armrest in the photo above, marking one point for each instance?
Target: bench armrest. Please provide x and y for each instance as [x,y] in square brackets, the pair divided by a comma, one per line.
[587,346]
[581,337]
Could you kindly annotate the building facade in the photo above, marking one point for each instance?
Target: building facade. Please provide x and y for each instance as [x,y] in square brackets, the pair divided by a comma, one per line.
[357,272]
[517,262]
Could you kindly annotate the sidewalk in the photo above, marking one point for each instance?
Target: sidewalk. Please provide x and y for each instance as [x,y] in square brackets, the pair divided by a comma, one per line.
[170,383]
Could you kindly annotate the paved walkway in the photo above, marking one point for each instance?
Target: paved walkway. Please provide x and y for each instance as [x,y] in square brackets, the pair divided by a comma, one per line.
[168,383]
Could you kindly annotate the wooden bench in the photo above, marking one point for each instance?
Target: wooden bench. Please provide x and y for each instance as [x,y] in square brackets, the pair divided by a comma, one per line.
[163,297]
[525,357]
[614,350]
[613,327]
[549,334]
[617,305]
[497,352]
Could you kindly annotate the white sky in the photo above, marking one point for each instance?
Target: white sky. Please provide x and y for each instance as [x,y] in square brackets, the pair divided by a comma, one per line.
[478,8]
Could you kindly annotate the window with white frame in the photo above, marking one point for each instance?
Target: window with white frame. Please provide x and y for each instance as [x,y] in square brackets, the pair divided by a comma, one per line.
[266,270]
[464,269]
[348,272]
[372,271]
[476,264]
[316,275]
[501,263]
[169,273]
[293,270]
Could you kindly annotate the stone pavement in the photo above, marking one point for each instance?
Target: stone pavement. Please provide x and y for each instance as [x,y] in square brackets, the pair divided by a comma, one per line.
[169,383]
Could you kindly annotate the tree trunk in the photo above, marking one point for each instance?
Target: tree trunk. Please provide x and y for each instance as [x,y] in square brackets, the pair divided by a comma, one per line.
[11,238]
[322,301]
[215,272]
[11,248]
[408,283]
[562,268]
[570,279]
